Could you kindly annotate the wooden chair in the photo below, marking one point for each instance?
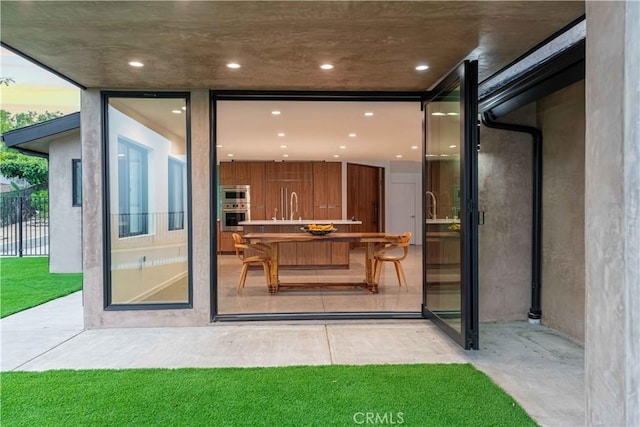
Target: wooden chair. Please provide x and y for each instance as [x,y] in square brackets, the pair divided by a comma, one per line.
[263,257]
[381,256]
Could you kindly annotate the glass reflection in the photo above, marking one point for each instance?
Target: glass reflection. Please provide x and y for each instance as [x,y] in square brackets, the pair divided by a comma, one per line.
[443,235]
[148,201]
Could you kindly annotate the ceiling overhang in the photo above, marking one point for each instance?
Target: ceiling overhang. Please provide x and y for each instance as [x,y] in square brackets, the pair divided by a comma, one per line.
[280,45]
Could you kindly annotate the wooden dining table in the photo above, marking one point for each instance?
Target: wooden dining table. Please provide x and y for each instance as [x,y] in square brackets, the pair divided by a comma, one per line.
[370,240]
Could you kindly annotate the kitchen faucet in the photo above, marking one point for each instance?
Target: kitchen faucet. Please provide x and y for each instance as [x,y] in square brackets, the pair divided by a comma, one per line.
[434,214]
[293,193]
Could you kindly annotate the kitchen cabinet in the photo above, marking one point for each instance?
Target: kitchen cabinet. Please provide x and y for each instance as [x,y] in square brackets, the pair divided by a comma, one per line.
[327,190]
[306,255]
[257,192]
[235,173]
[443,246]
[226,243]
[284,178]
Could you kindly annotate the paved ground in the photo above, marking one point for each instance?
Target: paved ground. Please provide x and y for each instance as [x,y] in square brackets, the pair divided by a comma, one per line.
[540,368]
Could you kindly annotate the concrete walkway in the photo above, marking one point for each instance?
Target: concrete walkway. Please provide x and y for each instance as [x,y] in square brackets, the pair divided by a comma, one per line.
[541,369]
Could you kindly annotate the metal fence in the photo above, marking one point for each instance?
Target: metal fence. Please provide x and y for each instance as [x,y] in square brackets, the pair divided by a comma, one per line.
[24,222]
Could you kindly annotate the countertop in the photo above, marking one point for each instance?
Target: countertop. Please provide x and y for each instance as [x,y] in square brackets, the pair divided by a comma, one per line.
[298,222]
[443,221]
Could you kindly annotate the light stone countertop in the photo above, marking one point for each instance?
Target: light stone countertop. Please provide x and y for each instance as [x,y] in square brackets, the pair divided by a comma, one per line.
[443,221]
[299,222]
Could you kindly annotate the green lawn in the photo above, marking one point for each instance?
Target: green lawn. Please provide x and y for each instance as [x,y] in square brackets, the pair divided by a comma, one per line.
[411,395]
[26,282]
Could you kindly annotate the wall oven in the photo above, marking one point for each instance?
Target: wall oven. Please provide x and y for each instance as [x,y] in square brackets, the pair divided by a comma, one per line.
[235,206]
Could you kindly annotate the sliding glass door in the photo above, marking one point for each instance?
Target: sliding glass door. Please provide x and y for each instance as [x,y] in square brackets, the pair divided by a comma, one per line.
[450,205]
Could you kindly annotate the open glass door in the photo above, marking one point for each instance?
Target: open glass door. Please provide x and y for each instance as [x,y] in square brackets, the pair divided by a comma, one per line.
[450,200]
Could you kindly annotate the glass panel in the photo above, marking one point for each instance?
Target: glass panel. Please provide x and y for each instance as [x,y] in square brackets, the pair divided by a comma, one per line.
[177,194]
[77,182]
[148,209]
[320,162]
[442,211]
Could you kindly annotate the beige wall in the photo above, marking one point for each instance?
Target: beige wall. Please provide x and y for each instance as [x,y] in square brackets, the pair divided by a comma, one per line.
[65,230]
[504,241]
[561,117]
[95,314]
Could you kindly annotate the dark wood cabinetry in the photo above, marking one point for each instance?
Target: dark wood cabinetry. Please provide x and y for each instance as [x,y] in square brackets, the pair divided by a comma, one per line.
[284,178]
[257,192]
[327,190]
[235,173]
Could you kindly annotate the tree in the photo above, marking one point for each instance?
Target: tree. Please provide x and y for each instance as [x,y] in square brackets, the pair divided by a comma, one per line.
[13,164]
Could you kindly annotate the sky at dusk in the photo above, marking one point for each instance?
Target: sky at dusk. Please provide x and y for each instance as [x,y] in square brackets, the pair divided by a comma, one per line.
[34,89]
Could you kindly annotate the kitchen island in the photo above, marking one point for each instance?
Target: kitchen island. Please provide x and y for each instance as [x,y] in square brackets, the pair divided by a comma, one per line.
[308,255]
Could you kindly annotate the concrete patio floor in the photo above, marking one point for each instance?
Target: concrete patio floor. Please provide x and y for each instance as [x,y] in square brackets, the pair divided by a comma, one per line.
[540,368]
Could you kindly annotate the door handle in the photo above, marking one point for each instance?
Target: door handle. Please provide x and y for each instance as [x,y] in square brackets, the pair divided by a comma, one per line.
[375,213]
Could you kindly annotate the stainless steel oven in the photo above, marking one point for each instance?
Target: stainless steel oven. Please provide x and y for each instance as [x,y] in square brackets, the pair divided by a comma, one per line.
[235,194]
[235,204]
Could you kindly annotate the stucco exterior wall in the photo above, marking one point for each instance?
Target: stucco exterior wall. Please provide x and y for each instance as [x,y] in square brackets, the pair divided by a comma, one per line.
[612,214]
[65,229]
[504,241]
[95,314]
[561,117]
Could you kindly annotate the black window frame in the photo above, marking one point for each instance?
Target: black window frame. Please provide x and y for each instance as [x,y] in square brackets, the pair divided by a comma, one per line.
[108,305]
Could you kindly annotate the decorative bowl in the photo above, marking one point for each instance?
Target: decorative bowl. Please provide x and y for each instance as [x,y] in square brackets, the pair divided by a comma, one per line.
[318,232]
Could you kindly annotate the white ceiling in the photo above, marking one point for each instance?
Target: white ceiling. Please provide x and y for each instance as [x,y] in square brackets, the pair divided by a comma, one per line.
[316,130]
[313,130]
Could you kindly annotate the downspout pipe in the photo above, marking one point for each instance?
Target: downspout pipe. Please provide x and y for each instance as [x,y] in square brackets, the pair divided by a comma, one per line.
[535,312]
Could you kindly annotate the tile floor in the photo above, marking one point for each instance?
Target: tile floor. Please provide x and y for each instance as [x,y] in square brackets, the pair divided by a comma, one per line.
[255,298]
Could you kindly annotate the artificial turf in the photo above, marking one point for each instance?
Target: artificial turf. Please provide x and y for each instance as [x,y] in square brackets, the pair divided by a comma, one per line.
[411,395]
[26,282]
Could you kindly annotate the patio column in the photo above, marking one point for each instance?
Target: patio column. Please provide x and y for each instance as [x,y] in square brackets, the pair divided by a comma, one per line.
[612,214]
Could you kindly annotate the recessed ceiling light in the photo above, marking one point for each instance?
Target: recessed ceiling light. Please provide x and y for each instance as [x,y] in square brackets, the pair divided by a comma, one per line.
[452,146]
[176,111]
[368,114]
[352,135]
[283,146]
[233,65]
[438,113]
[219,146]
[336,155]
[275,112]
[136,64]
[414,147]
[422,67]
[326,66]
[343,147]
[285,155]
[453,114]
[281,134]
[184,108]
[230,155]
[398,155]
[444,155]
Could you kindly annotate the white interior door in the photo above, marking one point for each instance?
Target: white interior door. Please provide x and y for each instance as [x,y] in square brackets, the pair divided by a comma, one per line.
[402,200]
